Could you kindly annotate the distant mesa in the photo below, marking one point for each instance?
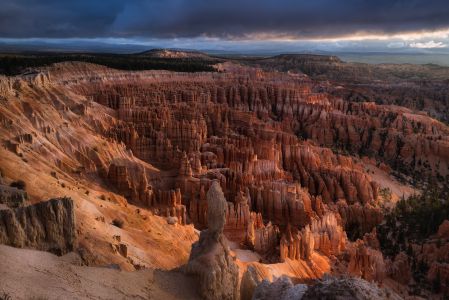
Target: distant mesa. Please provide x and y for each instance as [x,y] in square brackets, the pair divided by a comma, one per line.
[173,53]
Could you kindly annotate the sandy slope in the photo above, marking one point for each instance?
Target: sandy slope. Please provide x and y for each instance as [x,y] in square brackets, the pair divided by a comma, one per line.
[33,274]
[386,180]
[151,242]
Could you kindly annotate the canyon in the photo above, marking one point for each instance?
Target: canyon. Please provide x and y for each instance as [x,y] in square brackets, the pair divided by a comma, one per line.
[229,179]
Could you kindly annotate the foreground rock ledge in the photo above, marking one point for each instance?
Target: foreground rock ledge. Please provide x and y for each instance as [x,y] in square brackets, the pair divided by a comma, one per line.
[210,258]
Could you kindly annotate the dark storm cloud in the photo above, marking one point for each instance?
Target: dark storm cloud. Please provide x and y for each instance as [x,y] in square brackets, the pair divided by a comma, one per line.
[225,18]
[58,18]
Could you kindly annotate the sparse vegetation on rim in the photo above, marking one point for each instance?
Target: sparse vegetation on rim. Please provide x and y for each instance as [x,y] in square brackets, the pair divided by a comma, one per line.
[17,64]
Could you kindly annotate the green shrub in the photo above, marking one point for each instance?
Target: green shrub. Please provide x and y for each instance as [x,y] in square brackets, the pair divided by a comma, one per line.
[413,219]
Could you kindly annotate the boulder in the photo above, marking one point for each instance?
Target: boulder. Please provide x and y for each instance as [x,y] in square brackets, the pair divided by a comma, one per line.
[347,288]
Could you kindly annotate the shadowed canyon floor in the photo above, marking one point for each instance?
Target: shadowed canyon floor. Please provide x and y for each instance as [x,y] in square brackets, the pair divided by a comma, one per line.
[306,177]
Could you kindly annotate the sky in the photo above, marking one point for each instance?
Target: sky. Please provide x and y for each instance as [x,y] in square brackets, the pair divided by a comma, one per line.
[229,25]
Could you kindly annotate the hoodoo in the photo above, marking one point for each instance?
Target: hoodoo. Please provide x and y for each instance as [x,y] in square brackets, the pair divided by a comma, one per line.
[210,259]
[245,180]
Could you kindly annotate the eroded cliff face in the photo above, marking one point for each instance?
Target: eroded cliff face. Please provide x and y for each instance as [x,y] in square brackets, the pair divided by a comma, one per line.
[52,140]
[47,226]
[241,130]
[157,141]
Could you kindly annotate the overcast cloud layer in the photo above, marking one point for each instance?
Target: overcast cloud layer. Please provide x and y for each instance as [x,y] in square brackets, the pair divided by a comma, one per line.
[334,25]
[217,18]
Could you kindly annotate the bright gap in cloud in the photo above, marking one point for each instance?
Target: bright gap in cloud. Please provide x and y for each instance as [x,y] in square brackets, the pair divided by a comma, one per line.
[428,45]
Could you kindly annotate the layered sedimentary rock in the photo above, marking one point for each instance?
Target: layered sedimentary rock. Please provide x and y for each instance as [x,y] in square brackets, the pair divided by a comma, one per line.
[48,226]
[392,134]
[210,259]
[285,153]
[247,130]
[243,134]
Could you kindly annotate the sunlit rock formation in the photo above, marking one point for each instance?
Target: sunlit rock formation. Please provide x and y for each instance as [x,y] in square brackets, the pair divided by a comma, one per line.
[289,157]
